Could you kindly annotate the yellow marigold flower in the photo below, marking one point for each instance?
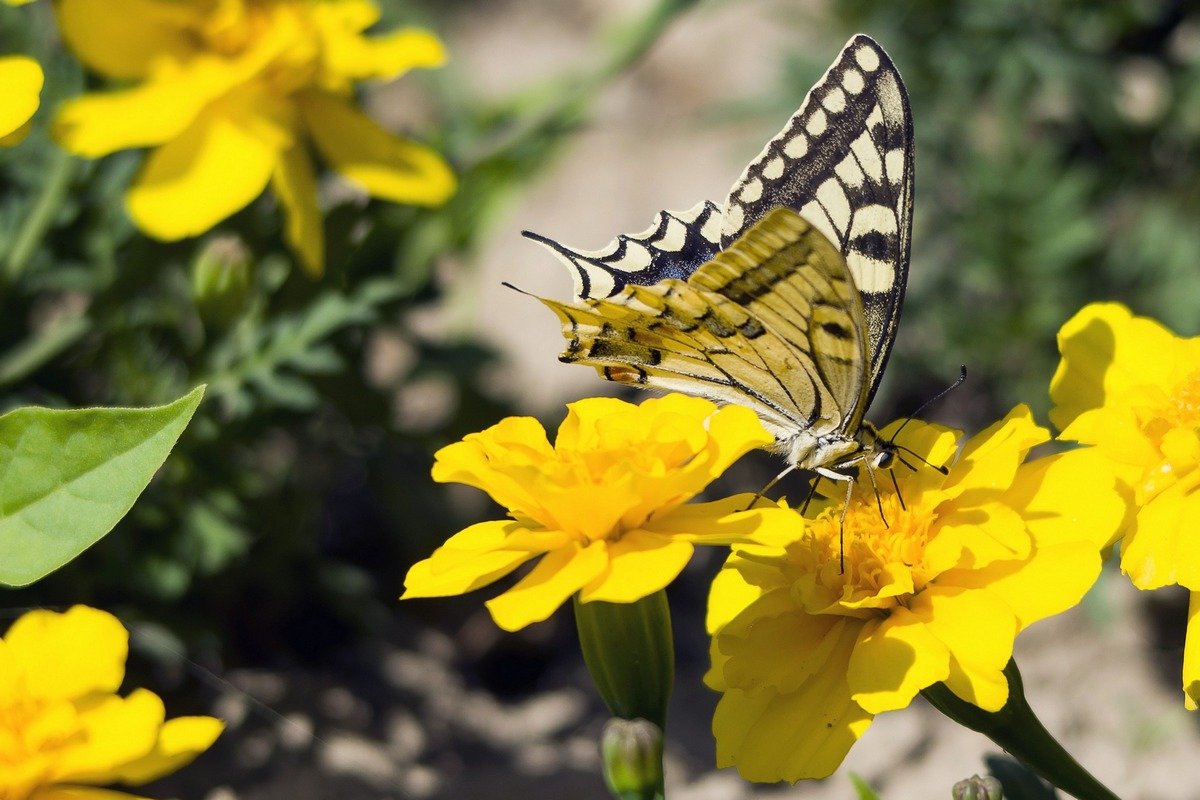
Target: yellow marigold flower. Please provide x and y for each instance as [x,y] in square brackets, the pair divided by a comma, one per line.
[1131,387]
[805,654]
[603,507]
[234,94]
[22,79]
[63,728]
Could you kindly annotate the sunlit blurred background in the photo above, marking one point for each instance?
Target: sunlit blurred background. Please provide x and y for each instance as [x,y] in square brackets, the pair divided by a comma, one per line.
[1058,162]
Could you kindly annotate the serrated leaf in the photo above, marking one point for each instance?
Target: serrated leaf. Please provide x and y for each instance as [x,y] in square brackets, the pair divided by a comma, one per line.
[68,476]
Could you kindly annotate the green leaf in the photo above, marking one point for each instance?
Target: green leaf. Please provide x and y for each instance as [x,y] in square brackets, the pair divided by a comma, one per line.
[68,476]
[862,788]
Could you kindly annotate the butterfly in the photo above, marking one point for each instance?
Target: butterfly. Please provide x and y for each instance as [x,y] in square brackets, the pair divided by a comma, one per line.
[786,299]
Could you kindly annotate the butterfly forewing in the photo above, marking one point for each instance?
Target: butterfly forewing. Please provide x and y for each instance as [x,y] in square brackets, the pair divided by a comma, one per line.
[770,323]
[845,162]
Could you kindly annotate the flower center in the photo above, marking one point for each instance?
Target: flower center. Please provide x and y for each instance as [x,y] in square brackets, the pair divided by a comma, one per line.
[32,732]
[872,560]
[1181,410]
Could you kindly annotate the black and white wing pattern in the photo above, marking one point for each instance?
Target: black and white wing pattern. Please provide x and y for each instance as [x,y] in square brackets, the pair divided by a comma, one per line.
[845,162]
[842,173]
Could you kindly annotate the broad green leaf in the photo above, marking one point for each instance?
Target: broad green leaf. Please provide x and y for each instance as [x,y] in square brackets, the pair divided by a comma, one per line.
[68,476]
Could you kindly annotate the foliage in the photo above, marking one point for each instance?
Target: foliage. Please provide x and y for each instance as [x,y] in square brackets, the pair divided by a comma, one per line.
[70,475]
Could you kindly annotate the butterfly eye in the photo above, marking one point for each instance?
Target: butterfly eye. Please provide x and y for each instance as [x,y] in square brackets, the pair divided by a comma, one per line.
[884,459]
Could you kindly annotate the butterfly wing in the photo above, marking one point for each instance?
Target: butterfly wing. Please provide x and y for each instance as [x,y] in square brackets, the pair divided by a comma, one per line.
[773,322]
[673,247]
[844,161]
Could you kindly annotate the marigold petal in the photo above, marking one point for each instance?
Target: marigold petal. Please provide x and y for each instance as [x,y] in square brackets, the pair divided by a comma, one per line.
[502,461]
[385,165]
[556,577]
[978,629]
[1071,497]
[979,535]
[990,459]
[803,734]
[894,659]
[1163,547]
[727,522]
[180,740]
[210,171]
[639,564]
[129,44]
[388,56]
[1191,655]
[296,187]
[119,731]
[45,647]
[22,80]
[774,644]
[472,558]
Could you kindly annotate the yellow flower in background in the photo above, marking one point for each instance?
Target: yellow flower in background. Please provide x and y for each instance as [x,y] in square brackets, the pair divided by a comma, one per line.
[64,729]
[234,95]
[604,507]
[1131,387]
[806,654]
[22,80]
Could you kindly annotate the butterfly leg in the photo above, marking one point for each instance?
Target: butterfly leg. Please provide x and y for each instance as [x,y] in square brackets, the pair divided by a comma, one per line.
[849,480]
[770,484]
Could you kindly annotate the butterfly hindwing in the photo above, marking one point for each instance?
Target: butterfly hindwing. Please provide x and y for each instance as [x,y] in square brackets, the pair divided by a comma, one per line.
[772,323]
[845,162]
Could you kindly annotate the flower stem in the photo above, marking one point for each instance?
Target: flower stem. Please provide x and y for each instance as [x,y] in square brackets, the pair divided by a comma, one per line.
[1018,730]
[41,216]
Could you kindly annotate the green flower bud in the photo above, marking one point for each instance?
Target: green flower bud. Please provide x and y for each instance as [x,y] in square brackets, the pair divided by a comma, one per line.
[630,654]
[632,753]
[221,279]
[977,788]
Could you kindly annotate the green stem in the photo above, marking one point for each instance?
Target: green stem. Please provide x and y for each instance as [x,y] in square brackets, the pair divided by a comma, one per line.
[1018,730]
[41,216]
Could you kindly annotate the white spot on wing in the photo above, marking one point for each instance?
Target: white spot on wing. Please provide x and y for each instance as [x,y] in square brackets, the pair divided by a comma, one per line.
[796,147]
[853,81]
[834,100]
[867,58]
[734,217]
[874,218]
[673,237]
[850,173]
[833,198]
[870,274]
[868,156]
[712,228]
[816,123]
[773,169]
[751,191]
[637,256]
[817,217]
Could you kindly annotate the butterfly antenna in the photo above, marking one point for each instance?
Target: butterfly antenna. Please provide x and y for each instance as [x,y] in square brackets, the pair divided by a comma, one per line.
[962,377]
[517,289]
[901,448]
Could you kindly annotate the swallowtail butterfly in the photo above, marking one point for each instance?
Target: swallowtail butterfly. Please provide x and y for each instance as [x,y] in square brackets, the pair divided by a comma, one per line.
[785,299]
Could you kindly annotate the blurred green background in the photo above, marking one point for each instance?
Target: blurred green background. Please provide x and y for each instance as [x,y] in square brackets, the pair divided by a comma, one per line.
[1058,152]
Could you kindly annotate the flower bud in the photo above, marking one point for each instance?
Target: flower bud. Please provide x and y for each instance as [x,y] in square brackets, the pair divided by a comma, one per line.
[632,753]
[221,279]
[630,654]
[977,788]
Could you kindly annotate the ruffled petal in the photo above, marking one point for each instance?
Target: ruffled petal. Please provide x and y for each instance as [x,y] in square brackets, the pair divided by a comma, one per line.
[82,793]
[1071,497]
[728,522]
[44,647]
[978,630]
[472,558]
[180,740]
[296,187]
[774,644]
[639,564]
[119,731]
[128,44]
[894,660]
[990,459]
[1107,351]
[210,171]
[1163,548]
[386,166]
[556,577]
[21,81]
[389,56]
[771,737]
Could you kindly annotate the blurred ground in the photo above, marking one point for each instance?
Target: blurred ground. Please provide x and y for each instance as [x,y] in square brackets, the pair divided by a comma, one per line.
[476,714]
